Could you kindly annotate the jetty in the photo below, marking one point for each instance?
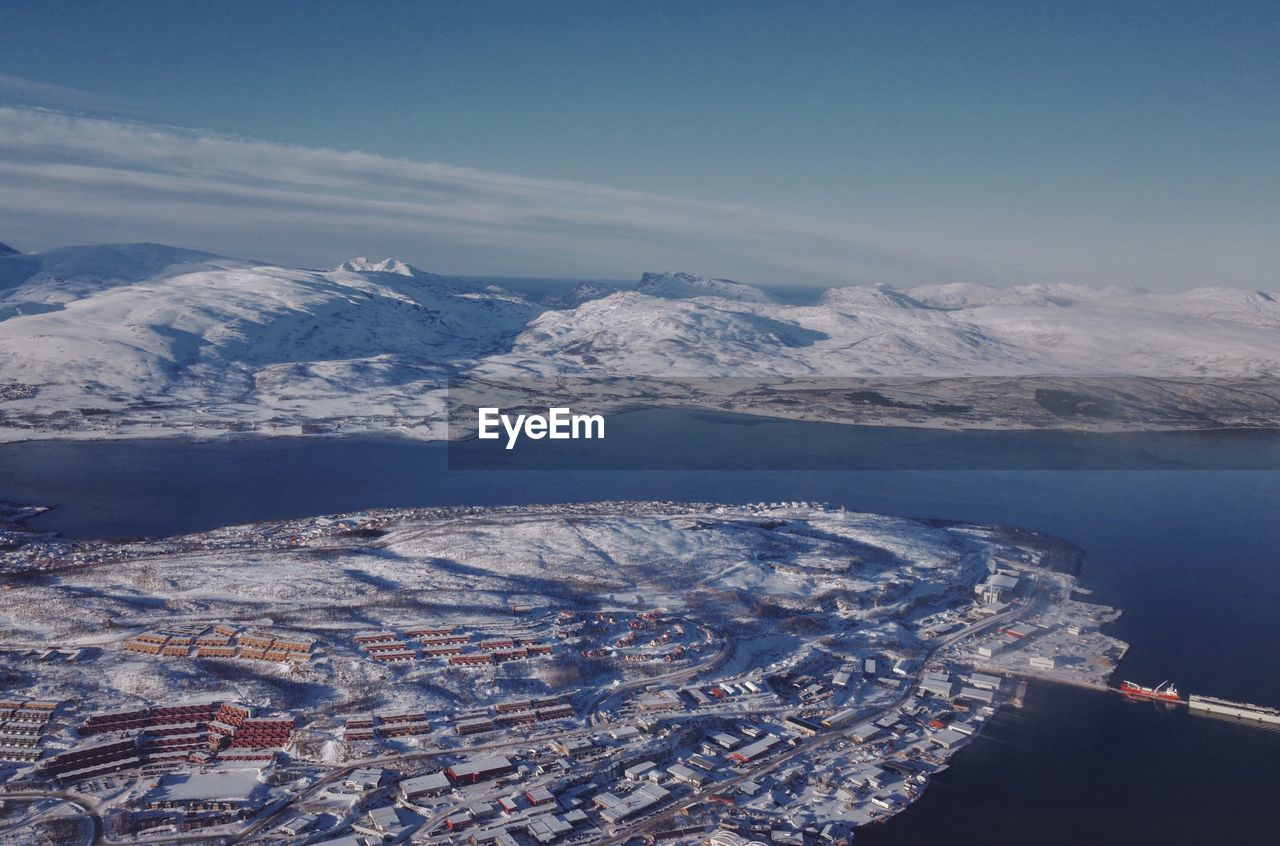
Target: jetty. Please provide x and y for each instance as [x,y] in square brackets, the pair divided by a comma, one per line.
[1239,710]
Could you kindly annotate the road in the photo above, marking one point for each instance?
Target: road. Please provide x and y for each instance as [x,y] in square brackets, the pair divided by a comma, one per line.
[394,759]
[589,712]
[816,742]
[87,804]
[674,677]
[593,706]
[604,696]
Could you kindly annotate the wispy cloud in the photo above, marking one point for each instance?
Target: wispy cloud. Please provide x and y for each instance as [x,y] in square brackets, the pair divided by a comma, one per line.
[103,177]
[32,92]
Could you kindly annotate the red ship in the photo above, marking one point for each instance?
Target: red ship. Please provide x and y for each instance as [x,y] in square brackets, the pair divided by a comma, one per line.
[1163,692]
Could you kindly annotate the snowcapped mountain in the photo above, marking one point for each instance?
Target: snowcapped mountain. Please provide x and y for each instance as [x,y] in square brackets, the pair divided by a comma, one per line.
[154,335]
[686,286]
[6,250]
[961,295]
[139,338]
[631,333]
[360,264]
[953,330]
[78,270]
[581,293]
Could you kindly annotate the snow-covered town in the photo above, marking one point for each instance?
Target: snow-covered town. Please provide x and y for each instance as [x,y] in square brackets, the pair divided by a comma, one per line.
[681,673]
[639,424]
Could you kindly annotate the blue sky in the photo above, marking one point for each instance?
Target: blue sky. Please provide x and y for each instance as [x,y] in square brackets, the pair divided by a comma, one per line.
[1108,143]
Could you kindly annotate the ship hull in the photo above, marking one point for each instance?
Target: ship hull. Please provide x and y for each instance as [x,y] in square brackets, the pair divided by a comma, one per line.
[1151,697]
[1147,694]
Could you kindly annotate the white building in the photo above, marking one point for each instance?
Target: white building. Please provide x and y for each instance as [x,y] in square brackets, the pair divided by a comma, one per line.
[435,784]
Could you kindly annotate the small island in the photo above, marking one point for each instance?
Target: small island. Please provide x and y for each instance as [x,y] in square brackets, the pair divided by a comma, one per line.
[571,674]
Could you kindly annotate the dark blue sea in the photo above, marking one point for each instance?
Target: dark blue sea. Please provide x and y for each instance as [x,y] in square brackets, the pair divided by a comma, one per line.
[1192,555]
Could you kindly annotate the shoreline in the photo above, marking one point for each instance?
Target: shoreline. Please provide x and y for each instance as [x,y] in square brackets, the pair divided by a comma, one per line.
[404,434]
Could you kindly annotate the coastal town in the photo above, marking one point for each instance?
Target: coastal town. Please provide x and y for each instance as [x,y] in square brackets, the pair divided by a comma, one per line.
[677,673]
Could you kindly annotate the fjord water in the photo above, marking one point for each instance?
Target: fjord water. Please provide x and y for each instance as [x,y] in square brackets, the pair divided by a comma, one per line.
[1191,555]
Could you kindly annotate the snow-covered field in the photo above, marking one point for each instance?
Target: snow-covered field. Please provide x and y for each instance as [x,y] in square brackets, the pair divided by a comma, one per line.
[143,339]
[949,330]
[147,337]
[468,568]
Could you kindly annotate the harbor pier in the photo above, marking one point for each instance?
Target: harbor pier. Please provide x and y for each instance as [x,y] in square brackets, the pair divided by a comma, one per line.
[1239,710]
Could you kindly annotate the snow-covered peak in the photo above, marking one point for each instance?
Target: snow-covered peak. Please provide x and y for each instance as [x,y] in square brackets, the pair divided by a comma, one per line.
[581,293]
[360,264]
[103,265]
[963,295]
[863,296]
[119,329]
[948,330]
[680,286]
[6,250]
[1232,305]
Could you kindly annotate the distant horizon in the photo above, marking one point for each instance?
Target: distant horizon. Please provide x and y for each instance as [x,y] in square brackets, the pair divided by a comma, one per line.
[1122,144]
[788,291]
[897,271]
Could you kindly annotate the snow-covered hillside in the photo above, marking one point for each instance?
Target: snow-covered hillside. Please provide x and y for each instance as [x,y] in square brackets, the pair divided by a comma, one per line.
[151,334]
[69,272]
[469,567]
[147,339]
[360,264]
[952,330]
[686,286]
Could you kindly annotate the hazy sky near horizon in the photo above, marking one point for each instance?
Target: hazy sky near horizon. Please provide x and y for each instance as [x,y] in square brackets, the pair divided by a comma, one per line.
[1117,143]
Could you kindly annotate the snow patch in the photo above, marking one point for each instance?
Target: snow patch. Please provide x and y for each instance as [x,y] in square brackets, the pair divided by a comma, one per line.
[686,285]
[360,264]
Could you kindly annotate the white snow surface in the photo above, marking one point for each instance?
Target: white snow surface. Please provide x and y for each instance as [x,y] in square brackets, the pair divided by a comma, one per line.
[150,338]
[677,285]
[467,570]
[950,330]
[141,325]
[360,264]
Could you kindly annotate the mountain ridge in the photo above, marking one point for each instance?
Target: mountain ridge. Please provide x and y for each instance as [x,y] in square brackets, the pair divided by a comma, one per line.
[360,264]
[680,285]
[143,337]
